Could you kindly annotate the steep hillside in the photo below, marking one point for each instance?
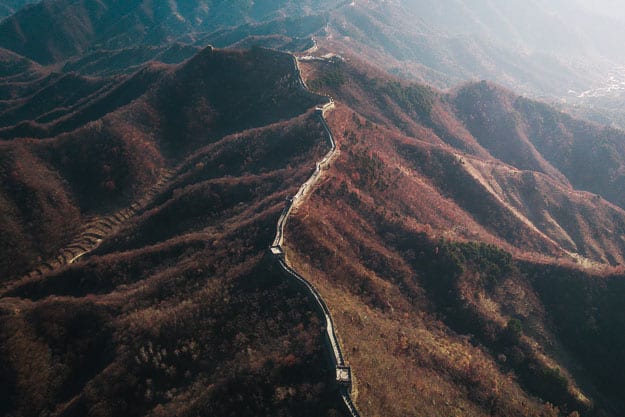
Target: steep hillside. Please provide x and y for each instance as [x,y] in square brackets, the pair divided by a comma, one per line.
[590,156]
[175,308]
[128,60]
[14,67]
[431,240]
[509,164]
[108,148]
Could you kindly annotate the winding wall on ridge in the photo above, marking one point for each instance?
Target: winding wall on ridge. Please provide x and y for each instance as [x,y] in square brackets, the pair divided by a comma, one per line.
[343,372]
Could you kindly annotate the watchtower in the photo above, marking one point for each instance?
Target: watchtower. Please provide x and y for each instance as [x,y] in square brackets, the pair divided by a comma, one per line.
[344,376]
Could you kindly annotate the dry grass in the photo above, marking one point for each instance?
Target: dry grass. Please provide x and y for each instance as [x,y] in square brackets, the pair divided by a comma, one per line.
[419,344]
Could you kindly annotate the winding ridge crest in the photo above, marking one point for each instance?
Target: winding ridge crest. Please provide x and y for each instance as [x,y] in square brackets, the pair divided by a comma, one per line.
[343,372]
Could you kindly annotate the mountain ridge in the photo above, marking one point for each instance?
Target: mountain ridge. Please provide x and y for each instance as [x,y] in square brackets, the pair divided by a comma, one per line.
[468,241]
[76,27]
[424,286]
[195,299]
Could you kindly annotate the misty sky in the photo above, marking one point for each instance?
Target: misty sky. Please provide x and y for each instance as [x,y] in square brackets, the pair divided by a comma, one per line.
[614,8]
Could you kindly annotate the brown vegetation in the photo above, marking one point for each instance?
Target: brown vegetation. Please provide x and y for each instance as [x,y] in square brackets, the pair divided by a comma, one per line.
[181,311]
[404,240]
[480,183]
[107,149]
[434,238]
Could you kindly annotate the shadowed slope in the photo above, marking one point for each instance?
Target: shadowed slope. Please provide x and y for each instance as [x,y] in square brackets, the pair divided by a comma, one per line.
[159,113]
[177,312]
[8,7]
[77,26]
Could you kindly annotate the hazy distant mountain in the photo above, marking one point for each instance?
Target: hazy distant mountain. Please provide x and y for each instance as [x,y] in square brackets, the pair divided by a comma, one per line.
[8,7]
[539,47]
[544,26]
[73,26]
